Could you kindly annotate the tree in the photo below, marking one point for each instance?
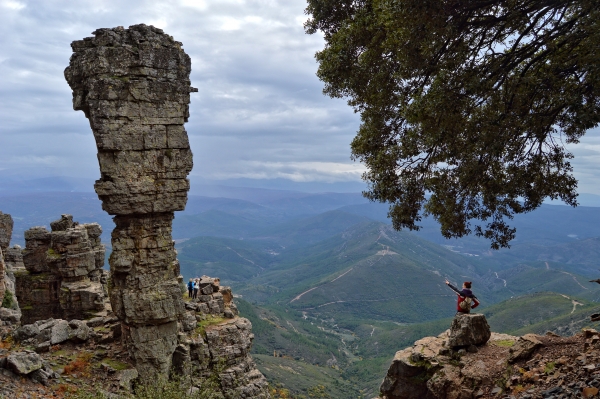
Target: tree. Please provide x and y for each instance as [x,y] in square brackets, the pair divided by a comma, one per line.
[466,105]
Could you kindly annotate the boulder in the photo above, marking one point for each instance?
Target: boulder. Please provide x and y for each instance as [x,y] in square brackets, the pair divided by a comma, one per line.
[60,332]
[126,378]
[524,348]
[25,332]
[10,315]
[469,329]
[80,332]
[24,363]
[411,369]
[6,228]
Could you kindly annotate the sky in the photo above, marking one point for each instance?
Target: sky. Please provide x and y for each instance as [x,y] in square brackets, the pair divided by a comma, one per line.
[259,116]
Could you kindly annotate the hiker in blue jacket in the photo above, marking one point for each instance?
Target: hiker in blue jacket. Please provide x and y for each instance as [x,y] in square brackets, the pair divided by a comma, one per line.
[190,286]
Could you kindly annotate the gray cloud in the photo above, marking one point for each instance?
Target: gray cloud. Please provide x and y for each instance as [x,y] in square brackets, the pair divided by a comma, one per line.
[259,112]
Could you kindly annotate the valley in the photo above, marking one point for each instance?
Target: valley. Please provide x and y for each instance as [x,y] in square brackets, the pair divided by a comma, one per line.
[333,291]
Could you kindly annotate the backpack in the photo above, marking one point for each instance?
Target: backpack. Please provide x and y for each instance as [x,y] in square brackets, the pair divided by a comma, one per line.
[190,285]
[466,303]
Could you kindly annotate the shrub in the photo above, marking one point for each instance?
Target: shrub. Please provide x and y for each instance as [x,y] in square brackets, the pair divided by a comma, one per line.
[8,300]
[81,364]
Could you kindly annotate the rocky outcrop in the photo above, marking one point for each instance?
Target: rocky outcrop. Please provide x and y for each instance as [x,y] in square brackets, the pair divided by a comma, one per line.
[214,339]
[133,85]
[467,330]
[431,369]
[505,367]
[62,276]
[6,227]
[9,263]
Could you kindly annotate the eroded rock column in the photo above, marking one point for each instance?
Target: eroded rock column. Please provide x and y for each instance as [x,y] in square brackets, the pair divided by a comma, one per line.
[59,273]
[6,227]
[133,85]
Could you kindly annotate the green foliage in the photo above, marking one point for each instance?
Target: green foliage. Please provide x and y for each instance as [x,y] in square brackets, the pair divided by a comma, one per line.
[161,388]
[8,300]
[506,343]
[538,313]
[549,368]
[210,320]
[470,102]
[302,379]
[318,391]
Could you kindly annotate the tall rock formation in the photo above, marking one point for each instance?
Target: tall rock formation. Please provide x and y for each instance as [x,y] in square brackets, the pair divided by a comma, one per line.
[9,311]
[133,85]
[62,276]
[6,227]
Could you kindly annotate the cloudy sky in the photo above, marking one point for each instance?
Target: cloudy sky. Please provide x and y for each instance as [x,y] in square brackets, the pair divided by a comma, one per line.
[259,114]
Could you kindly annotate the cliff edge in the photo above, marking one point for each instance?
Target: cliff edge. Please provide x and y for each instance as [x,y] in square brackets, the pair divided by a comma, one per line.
[505,366]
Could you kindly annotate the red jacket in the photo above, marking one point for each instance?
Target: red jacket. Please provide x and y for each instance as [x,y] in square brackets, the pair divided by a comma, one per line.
[474,304]
[462,294]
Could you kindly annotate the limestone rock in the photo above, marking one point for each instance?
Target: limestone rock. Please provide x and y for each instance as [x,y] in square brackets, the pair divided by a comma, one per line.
[24,363]
[524,348]
[37,243]
[6,228]
[469,329]
[13,316]
[62,271]
[133,85]
[48,332]
[411,368]
[13,259]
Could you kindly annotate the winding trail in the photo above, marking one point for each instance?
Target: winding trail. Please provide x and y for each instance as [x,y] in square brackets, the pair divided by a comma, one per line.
[341,275]
[574,278]
[575,303]
[305,292]
[496,273]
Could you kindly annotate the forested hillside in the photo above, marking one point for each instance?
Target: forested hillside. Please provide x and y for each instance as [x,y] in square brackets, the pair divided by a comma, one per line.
[333,291]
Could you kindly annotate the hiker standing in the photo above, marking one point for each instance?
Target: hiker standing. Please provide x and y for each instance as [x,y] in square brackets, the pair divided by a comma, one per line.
[196,288]
[190,286]
[466,299]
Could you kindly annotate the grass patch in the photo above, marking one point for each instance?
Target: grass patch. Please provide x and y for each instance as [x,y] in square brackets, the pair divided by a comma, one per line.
[209,321]
[115,364]
[505,343]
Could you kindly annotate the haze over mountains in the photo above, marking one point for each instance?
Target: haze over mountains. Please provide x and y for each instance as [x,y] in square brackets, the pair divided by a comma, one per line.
[326,281]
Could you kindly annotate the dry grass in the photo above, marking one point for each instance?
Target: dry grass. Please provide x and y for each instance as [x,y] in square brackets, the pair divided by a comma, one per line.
[80,365]
[7,343]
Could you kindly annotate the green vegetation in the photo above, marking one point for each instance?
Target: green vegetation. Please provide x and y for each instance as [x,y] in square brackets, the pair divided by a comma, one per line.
[506,343]
[538,313]
[305,379]
[466,109]
[160,389]
[8,300]
[352,300]
[115,364]
[210,320]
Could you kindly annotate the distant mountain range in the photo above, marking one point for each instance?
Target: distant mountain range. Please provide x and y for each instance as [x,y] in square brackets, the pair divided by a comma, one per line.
[327,282]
